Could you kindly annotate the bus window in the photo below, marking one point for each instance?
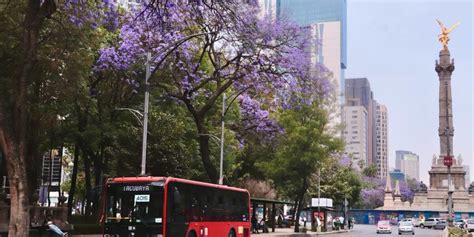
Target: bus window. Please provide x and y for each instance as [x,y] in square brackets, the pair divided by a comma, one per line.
[130,203]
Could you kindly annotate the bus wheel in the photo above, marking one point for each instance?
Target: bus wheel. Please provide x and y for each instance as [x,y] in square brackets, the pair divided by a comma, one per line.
[192,233]
[231,233]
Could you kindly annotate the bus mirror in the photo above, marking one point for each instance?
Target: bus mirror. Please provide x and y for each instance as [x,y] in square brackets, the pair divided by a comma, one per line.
[177,196]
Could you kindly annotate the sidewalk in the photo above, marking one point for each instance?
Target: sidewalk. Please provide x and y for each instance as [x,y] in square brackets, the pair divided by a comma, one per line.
[285,232]
[289,232]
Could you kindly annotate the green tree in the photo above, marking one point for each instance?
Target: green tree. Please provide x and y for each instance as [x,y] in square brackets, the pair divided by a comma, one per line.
[21,38]
[370,171]
[304,147]
[339,182]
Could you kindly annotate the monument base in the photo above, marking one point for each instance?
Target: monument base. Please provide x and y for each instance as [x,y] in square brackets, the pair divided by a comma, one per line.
[439,176]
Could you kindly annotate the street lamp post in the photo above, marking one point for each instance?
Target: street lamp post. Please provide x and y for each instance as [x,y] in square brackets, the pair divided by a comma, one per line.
[145,114]
[221,177]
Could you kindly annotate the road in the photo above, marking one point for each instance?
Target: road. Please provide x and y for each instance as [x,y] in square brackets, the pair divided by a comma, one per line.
[369,230]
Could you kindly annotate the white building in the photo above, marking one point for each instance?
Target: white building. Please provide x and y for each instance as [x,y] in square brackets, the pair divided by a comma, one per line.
[409,164]
[381,145]
[355,134]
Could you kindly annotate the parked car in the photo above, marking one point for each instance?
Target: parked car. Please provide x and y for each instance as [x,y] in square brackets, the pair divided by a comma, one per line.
[440,225]
[470,225]
[384,227]
[430,223]
[406,227]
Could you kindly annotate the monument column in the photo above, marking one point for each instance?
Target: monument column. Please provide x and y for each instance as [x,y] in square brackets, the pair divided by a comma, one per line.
[439,173]
[445,68]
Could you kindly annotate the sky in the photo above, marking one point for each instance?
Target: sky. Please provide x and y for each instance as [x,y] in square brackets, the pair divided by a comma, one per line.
[394,43]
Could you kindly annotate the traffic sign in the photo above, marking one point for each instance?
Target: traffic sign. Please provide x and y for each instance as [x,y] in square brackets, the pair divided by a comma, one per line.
[448,161]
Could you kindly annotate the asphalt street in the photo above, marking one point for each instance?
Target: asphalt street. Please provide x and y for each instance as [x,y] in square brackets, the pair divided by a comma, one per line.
[370,230]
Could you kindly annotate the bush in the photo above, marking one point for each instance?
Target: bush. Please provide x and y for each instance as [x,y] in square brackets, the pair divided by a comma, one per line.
[86,229]
[85,225]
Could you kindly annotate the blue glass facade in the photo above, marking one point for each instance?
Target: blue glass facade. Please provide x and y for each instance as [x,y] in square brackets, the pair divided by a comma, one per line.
[307,12]
[397,175]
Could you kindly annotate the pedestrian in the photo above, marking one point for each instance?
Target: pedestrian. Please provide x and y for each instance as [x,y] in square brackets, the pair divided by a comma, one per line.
[52,227]
[349,223]
[254,223]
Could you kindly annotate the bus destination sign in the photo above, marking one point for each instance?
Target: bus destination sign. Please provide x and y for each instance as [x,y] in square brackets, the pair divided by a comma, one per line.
[134,188]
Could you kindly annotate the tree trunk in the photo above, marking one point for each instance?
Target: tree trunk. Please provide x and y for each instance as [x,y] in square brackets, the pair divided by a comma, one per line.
[203,138]
[98,174]
[72,191]
[295,213]
[14,116]
[298,207]
[87,172]
[19,202]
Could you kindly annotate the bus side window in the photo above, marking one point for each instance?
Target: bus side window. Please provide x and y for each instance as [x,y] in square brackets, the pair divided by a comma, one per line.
[193,212]
[177,204]
[204,203]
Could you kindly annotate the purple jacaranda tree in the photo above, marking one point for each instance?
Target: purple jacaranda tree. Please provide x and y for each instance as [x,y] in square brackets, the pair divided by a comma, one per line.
[372,198]
[407,194]
[204,49]
[372,195]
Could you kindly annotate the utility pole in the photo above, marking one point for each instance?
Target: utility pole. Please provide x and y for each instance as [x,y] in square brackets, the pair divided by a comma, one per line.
[221,177]
[145,114]
[319,197]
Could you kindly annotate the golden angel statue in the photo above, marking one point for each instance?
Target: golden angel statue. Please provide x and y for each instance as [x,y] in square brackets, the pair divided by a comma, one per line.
[444,36]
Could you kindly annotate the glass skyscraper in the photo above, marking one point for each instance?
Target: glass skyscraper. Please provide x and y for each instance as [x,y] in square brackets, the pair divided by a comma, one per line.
[328,22]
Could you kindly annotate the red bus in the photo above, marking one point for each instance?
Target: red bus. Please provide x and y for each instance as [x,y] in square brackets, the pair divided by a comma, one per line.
[173,207]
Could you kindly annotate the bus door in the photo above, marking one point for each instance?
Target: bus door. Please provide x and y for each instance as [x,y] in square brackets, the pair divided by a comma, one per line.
[176,224]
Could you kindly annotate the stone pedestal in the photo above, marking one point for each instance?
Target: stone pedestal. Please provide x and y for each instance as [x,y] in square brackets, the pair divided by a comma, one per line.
[439,177]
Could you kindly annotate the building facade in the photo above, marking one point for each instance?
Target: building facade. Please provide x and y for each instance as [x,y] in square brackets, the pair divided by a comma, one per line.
[397,175]
[129,4]
[381,132]
[408,163]
[355,134]
[327,20]
[358,93]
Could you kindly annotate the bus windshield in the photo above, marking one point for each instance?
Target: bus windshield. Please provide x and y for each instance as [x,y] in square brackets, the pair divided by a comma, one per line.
[137,202]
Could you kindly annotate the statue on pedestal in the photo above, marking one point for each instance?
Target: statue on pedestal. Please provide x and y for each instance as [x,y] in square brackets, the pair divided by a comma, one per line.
[423,188]
[444,36]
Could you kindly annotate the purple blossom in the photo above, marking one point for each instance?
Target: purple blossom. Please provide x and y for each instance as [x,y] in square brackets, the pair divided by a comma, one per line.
[372,198]
[255,118]
[269,58]
[345,161]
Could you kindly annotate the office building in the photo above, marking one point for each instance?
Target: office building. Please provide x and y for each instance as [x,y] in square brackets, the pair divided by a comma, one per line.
[129,4]
[397,175]
[359,93]
[355,134]
[408,163]
[327,20]
[381,132]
